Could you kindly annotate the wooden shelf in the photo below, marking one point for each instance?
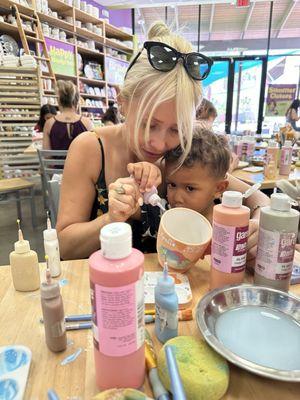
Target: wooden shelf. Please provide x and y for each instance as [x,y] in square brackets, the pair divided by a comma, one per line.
[93,107]
[23,9]
[65,76]
[92,81]
[61,41]
[56,22]
[89,35]
[61,7]
[92,96]
[85,17]
[118,46]
[117,58]
[12,29]
[84,50]
[114,32]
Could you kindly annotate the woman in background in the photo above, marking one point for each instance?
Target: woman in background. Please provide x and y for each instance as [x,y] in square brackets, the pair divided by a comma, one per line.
[206,114]
[111,117]
[292,114]
[62,129]
[47,111]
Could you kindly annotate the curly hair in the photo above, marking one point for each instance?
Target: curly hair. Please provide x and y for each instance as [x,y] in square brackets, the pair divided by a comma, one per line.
[208,149]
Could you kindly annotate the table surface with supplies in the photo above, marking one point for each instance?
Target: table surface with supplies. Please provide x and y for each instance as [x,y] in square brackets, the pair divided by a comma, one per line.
[258,177]
[20,314]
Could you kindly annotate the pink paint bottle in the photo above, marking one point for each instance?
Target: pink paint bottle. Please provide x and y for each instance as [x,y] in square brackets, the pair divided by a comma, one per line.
[117,296]
[286,158]
[229,241]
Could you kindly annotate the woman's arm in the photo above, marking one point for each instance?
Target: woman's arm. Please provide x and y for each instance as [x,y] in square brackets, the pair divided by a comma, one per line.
[46,132]
[88,123]
[294,115]
[78,236]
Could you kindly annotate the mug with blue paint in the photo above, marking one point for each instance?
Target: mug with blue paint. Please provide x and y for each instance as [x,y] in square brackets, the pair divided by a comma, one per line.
[183,237]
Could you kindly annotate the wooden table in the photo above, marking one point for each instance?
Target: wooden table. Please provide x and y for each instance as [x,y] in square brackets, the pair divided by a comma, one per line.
[19,321]
[14,186]
[258,177]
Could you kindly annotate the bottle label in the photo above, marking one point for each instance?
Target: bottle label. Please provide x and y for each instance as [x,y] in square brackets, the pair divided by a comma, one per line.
[118,318]
[229,248]
[275,254]
[166,319]
[286,156]
[58,329]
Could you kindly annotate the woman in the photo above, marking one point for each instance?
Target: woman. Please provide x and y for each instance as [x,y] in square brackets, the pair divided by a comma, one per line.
[111,116]
[159,109]
[47,111]
[59,131]
[292,114]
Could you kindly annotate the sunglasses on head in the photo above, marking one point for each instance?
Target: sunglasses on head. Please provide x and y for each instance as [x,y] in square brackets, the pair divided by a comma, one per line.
[164,58]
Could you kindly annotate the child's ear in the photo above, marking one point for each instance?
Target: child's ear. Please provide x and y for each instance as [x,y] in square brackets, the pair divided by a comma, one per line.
[221,187]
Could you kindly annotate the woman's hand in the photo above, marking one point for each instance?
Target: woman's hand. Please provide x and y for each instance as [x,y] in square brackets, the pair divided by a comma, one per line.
[124,199]
[252,243]
[145,174]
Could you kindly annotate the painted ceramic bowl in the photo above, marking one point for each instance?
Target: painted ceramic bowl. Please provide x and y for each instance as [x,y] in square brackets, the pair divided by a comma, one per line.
[183,237]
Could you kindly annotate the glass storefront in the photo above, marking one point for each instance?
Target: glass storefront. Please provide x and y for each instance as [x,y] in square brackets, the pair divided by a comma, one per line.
[256,52]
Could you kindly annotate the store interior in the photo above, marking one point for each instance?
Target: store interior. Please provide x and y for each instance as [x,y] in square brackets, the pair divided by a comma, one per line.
[223,94]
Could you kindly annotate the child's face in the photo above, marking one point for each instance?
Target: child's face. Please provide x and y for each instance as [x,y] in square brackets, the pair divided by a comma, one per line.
[193,187]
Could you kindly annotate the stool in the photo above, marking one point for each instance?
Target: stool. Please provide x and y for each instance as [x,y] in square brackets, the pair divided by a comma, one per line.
[14,186]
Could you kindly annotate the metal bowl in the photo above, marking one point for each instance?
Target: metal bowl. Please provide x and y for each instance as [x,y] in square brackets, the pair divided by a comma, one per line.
[218,301]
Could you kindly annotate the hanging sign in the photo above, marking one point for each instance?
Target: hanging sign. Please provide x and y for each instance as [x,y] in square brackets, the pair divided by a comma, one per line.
[242,3]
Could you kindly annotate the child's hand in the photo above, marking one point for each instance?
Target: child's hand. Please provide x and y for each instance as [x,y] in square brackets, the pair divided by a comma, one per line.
[252,242]
[145,174]
[124,199]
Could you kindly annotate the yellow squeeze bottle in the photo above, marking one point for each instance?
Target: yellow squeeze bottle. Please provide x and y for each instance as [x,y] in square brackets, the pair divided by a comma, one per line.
[24,265]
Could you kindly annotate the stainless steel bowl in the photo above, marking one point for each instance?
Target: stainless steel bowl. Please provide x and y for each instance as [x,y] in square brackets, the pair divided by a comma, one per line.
[218,301]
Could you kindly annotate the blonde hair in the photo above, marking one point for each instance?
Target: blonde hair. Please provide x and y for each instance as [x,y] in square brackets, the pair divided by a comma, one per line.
[68,95]
[152,87]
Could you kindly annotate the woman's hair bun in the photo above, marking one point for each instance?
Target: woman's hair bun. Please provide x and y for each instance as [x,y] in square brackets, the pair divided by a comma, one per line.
[158,29]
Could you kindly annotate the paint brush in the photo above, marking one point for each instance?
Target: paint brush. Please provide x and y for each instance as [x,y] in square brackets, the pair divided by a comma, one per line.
[77,327]
[183,315]
[176,383]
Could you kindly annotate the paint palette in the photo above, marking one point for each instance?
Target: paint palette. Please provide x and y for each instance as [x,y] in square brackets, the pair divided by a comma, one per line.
[14,368]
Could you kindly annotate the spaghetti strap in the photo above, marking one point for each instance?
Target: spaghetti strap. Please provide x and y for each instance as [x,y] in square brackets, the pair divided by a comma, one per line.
[102,174]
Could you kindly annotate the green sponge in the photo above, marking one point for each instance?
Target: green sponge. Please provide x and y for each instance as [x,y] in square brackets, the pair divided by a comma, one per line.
[204,374]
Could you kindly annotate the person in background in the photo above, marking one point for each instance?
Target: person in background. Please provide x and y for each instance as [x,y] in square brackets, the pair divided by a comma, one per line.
[292,115]
[206,114]
[111,116]
[62,129]
[47,111]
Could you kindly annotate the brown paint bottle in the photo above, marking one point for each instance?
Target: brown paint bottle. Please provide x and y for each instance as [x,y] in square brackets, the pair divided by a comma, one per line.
[53,314]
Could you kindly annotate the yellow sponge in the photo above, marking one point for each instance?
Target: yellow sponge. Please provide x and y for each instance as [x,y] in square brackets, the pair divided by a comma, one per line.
[121,394]
[204,374]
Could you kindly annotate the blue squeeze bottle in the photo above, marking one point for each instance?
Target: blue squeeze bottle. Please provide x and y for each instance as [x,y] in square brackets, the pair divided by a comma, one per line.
[166,307]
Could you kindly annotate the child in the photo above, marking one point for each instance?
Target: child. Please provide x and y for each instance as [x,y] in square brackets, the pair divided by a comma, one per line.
[202,178]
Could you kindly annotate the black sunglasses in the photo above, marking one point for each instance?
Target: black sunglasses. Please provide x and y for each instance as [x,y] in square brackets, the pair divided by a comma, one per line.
[164,58]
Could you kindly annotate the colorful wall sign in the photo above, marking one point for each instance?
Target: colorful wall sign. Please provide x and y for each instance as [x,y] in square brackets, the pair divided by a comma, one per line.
[115,70]
[62,57]
[279,98]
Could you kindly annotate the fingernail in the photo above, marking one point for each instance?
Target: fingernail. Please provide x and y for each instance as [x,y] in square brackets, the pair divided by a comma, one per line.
[140,202]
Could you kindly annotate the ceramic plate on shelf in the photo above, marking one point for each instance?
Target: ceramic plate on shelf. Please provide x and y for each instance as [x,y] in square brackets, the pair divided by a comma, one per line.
[254,327]
[14,369]
[88,71]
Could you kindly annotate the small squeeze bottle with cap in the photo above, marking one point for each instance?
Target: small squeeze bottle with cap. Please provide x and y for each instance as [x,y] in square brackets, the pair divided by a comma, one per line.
[51,246]
[278,230]
[153,198]
[229,241]
[53,313]
[117,297]
[166,307]
[24,265]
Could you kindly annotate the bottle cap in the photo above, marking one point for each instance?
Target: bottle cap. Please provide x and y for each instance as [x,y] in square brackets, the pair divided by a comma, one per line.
[232,199]
[22,246]
[166,284]
[49,291]
[288,143]
[50,234]
[280,202]
[154,199]
[116,240]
